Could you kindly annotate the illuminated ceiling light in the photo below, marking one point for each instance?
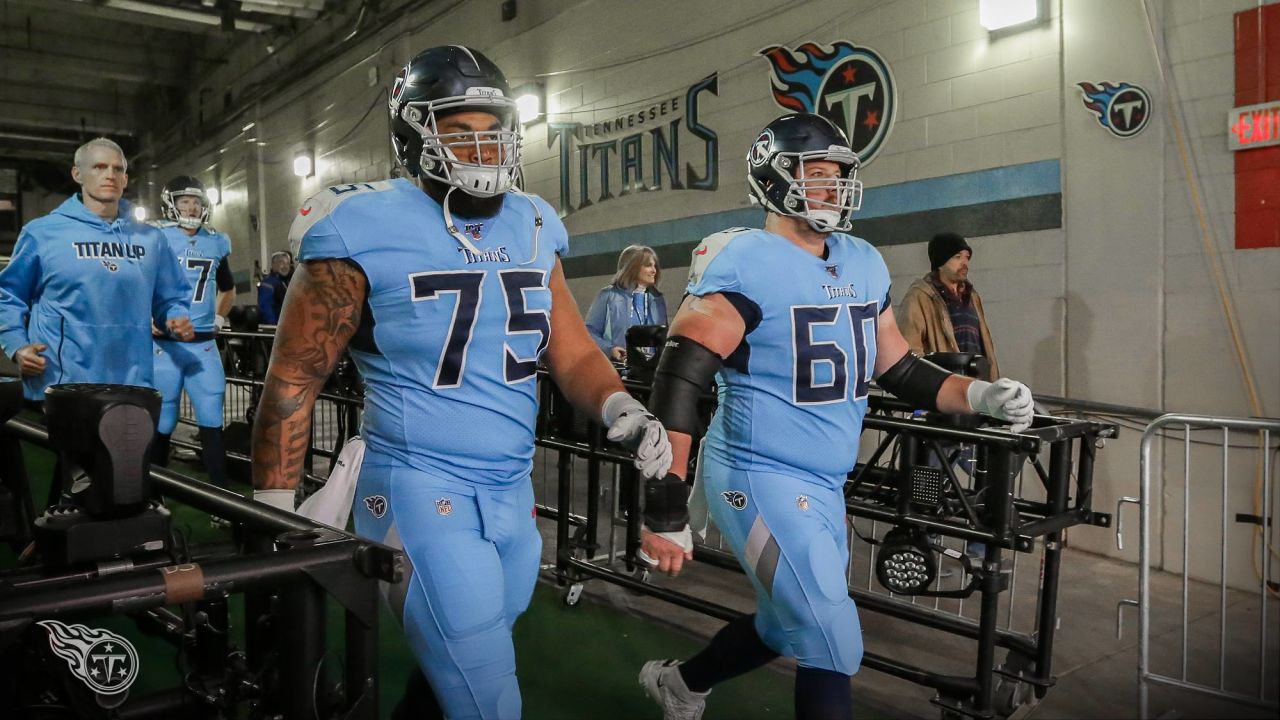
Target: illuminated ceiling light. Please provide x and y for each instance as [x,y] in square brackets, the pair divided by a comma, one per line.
[1000,14]
[139,213]
[529,102]
[302,166]
[248,127]
[215,197]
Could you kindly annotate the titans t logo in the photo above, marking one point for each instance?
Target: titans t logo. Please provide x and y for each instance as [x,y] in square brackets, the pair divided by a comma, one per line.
[1122,109]
[849,85]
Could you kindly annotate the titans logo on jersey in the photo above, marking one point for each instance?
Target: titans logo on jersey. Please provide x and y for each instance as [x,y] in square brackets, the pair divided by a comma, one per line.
[793,395]
[199,256]
[450,338]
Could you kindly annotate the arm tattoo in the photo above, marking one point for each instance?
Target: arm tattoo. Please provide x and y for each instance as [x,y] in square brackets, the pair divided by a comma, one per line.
[321,312]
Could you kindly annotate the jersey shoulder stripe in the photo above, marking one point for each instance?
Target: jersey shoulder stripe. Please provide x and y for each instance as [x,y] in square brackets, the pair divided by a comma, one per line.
[325,203]
[709,249]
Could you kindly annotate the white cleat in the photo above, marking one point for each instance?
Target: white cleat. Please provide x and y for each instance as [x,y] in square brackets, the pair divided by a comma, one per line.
[661,681]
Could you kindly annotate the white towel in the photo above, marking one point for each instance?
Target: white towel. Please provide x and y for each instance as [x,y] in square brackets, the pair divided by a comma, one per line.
[331,504]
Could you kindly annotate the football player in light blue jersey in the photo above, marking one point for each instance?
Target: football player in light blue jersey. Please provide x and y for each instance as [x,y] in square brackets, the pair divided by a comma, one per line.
[793,322]
[195,365]
[86,283]
[448,290]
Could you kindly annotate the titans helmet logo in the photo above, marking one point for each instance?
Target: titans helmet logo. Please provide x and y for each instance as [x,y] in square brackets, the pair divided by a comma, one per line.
[1122,109]
[759,154]
[104,661]
[849,85]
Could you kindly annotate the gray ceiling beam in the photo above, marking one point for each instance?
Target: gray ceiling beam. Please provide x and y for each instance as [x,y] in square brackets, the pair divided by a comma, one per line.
[193,17]
[268,9]
[96,67]
[141,14]
[32,122]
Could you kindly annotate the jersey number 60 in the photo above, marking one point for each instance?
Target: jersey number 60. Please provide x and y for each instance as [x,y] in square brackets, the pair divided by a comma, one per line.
[810,354]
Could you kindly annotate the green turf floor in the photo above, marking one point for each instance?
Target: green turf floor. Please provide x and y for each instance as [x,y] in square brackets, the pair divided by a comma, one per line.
[573,662]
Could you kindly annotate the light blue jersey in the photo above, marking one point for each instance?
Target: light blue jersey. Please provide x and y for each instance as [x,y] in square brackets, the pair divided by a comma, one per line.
[199,256]
[89,290]
[793,394]
[450,339]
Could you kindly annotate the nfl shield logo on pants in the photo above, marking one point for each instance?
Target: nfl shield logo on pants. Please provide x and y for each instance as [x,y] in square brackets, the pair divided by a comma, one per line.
[444,506]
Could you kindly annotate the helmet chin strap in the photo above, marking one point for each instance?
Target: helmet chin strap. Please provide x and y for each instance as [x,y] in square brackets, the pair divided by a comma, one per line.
[824,221]
[452,227]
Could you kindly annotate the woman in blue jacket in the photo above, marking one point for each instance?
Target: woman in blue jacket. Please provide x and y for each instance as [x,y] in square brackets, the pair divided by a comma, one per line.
[631,298]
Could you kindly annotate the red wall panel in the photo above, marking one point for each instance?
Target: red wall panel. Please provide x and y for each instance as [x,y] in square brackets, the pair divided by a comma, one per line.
[1257,34]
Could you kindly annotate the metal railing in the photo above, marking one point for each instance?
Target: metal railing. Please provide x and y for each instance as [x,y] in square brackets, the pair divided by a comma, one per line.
[598,531]
[1262,517]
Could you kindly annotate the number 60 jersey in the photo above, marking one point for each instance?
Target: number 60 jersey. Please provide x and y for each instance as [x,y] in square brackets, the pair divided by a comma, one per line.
[793,394]
[449,338]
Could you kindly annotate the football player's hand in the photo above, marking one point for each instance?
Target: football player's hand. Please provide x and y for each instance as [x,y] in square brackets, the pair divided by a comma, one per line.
[181,328]
[220,322]
[665,552]
[636,429]
[29,359]
[618,354]
[155,331]
[1003,399]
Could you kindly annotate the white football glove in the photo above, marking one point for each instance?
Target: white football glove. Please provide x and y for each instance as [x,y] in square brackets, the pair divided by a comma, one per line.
[1003,399]
[638,430]
[278,498]
[220,322]
[682,538]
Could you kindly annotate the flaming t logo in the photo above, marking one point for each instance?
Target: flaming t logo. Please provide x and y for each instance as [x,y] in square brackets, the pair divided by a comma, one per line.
[849,85]
[101,659]
[1122,109]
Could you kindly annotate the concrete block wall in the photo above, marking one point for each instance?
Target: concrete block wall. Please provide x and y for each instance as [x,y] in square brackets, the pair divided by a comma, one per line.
[1112,304]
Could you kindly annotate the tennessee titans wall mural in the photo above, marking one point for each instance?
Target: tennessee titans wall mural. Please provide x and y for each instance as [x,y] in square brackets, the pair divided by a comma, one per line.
[851,86]
[1123,108]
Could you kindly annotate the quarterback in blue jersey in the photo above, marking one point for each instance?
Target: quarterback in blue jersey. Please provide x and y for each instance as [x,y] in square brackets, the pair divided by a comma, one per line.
[195,365]
[448,291]
[792,321]
[86,282]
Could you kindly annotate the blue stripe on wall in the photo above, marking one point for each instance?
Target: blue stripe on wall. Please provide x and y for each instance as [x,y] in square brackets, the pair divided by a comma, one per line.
[964,189]
[972,188]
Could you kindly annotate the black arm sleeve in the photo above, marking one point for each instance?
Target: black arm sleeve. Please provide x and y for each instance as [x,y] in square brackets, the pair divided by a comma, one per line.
[224,279]
[914,380]
[684,372]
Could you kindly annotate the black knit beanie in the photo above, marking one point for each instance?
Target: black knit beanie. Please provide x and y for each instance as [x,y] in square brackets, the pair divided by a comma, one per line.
[943,246]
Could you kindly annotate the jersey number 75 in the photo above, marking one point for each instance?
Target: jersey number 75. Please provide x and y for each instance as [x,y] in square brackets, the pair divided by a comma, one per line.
[468,286]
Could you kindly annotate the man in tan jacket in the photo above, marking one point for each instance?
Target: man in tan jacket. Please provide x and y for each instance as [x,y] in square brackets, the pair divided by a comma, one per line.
[942,312]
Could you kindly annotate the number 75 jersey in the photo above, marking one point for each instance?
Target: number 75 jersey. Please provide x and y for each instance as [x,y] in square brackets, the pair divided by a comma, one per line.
[794,392]
[450,338]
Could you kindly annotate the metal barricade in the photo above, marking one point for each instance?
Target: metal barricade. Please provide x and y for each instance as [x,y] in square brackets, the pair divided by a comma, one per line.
[1262,517]
[1056,458]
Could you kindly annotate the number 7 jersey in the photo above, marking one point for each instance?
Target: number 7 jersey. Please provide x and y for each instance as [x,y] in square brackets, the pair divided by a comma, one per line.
[794,392]
[449,338]
[200,256]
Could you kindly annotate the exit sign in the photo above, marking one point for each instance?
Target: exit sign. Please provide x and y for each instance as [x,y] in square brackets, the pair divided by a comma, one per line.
[1253,126]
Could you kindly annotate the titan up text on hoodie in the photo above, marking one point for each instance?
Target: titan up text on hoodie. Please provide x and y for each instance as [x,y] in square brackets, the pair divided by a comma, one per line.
[89,290]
